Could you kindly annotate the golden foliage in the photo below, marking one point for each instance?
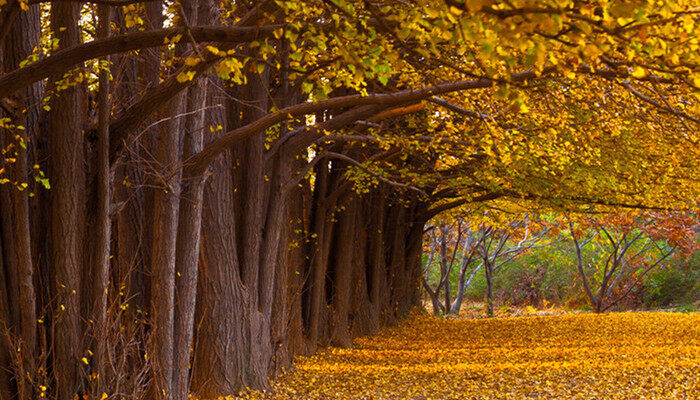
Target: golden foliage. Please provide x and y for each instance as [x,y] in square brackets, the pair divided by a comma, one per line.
[577,356]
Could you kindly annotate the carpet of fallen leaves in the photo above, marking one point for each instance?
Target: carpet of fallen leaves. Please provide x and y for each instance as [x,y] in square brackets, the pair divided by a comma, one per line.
[577,356]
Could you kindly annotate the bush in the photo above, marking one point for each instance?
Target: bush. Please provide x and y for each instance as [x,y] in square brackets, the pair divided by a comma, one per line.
[667,286]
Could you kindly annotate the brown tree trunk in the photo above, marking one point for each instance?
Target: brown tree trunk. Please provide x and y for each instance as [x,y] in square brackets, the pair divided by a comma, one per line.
[316,282]
[362,312]
[6,388]
[223,340]
[488,269]
[250,182]
[9,253]
[67,210]
[378,282]
[188,238]
[414,252]
[273,277]
[224,359]
[165,219]
[103,228]
[341,270]
[298,218]
[23,37]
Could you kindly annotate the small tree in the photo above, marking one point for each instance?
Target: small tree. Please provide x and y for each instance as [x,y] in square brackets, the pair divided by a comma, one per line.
[446,246]
[442,242]
[488,244]
[626,247]
[503,245]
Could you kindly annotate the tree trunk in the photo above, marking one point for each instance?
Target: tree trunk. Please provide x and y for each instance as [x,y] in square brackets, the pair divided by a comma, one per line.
[223,341]
[488,269]
[362,320]
[9,254]
[341,269]
[189,224]
[188,243]
[298,230]
[103,228]
[23,37]
[224,346]
[444,270]
[378,281]
[165,219]
[463,285]
[316,282]
[67,210]
[6,387]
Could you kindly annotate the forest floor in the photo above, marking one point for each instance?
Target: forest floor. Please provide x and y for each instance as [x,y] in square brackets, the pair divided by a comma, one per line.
[641,355]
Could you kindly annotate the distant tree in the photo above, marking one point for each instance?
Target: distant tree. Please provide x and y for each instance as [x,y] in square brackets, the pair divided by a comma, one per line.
[626,247]
[484,245]
[449,247]
[503,244]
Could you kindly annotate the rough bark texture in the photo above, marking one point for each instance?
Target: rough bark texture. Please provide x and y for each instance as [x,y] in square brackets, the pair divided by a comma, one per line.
[165,218]
[103,227]
[23,36]
[67,211]
[189,227]
[190,241]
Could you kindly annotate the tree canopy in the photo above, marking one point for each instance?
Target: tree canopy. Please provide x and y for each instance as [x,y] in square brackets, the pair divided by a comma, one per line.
[215,186]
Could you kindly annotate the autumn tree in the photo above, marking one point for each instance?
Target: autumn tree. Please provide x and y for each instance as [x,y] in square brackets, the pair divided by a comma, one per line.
[255,178]
[625,248]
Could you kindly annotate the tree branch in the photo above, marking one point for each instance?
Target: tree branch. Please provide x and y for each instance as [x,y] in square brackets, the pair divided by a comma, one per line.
[63,60]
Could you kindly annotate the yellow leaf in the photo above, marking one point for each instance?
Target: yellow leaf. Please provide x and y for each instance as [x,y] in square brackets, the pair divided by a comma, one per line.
[192,61]
[639,72]
[185,76]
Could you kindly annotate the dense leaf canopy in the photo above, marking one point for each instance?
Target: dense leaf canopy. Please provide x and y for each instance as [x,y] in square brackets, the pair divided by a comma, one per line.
[592,101]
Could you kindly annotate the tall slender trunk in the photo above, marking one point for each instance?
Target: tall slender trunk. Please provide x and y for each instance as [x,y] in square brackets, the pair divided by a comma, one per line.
[252,172]
[341,269]
[378,289]
[463,285]
[24,35]
[22,38]
[362,311]
[445,271]
[188,237]
[67,210]
[488,269]
[9,253]
[315,283]
[103,228]
[165,219]
[298,216]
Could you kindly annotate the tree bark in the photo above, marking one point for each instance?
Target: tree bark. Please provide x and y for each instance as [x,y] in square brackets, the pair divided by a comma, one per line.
[6,387]
[342,272]
[24,36]
[67,210]
[165,220]
[103,228]
[488,270]
[190,221]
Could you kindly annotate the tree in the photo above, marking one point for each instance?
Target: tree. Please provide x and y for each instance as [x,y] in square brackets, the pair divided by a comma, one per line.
[627,247]
[438,244]
[503,244]
[247,141]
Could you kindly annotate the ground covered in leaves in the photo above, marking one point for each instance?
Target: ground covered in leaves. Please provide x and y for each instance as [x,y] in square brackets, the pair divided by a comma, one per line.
[575,356]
